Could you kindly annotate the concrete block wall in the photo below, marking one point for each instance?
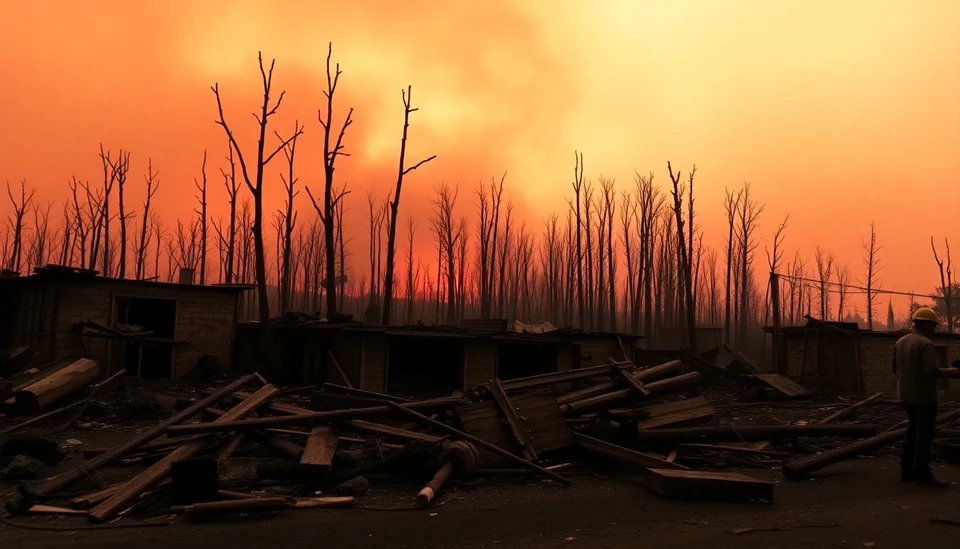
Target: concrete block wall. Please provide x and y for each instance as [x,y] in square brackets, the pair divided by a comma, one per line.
[876,356]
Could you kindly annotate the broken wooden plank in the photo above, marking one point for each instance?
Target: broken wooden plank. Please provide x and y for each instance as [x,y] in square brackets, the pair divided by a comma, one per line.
[520,434]
[320,502]
[849,410]
[552,378]
[631,381]
[312,417]
[63,479]
[230,446]
[621,455]
[343,375]
[674,412]
[724,433]
[321,447]
[38,509]
[353,391]
[477,441]
[708,485]
[607,400]
[729,448]
[784,384]
[390,430]
[161,469]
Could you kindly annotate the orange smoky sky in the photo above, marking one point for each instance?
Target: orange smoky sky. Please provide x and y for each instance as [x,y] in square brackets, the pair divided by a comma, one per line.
[838,113]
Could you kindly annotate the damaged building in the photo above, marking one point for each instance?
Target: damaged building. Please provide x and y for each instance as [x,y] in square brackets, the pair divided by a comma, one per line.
[425,361]
[151,329]
[841,356]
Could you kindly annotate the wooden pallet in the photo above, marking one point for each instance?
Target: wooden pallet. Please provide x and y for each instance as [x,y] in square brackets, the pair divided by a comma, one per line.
[709,485]
[538,415]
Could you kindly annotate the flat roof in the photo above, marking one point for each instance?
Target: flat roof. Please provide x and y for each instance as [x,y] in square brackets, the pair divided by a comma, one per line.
[88,276]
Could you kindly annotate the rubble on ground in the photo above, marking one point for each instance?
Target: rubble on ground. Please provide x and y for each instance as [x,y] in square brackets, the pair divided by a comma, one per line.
[246,446]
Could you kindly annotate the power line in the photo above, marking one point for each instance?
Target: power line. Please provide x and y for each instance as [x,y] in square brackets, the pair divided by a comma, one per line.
[861,290]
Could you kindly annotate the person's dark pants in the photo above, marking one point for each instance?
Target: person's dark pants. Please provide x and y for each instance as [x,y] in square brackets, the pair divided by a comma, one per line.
[915,461]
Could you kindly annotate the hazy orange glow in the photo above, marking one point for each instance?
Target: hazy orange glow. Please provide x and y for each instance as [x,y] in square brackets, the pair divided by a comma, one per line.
[838,113]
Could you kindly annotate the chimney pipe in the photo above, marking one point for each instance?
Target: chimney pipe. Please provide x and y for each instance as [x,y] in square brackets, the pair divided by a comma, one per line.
[186,275]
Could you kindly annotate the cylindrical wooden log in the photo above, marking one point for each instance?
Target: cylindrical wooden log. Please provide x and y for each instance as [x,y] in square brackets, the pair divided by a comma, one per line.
[801,468]
[232,507]
[749,433]
[849,410]
[607,400]
[431,488]
[45,392]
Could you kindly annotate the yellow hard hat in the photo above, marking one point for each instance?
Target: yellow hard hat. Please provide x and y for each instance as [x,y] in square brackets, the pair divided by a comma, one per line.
[926,314]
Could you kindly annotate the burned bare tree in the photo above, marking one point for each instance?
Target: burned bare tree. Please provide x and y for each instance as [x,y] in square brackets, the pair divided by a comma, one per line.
[946,281]
[110,173]
[731,204]
[749,213]
[21,205]
[577,188]
[289,218]
[201,186]
[254,183]
[233,188]
[40,243]
[402,171]
[120,169]
[824,263]
[506,242]
[448,234]
[684,252]
[153,185]
[331,150]
[411,233]
[843,286]
[610,207]
[871,248]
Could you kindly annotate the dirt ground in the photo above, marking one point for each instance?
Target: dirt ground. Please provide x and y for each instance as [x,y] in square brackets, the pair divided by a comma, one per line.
[857,503]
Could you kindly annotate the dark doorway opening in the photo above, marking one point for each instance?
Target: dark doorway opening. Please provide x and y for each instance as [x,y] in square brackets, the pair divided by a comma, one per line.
[424,367]
[159,316]
[525,359]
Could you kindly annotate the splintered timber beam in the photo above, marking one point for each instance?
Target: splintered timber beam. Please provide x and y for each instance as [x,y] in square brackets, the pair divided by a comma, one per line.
[621,455]
[520,433]
[801,468]
[556,377]
[50,486]
[313,417]
[607,400]
[479,442]
[161,469]
[849,410]
[607,386]
[321,447]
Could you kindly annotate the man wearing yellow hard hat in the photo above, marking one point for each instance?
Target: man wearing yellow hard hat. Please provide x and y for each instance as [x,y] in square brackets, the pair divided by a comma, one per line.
[916,368]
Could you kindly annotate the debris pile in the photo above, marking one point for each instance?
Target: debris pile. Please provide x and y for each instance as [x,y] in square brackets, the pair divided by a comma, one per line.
[250,447]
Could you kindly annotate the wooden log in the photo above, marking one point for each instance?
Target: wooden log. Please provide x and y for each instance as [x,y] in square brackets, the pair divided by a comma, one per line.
[801,468]
[709,485]
[621,455]
[321,447]
[849,410]
[726,433]
[390,430]
[513,420]
[161,469]
[313,417]
[60,410]
[52,485]
[607,400]
[477,441]
[430,489]
[232,507]
[47,391]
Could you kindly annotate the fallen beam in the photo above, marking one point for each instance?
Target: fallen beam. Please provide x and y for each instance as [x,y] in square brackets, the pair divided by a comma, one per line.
[849,410]
[607,400]
[707,485]
[621,455]
[313,417]
[751,433]
[477,441]
[63,479]
[607,386]
[161,469]
[353,391]
[801,468]
[47,391]
[390,430]
[520,434]
[551,378]
[62,409]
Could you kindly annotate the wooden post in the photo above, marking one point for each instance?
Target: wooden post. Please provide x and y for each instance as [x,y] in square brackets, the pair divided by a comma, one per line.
[779,364]
[48,390]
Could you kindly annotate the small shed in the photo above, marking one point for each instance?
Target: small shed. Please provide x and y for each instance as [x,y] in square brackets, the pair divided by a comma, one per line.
[181,322]
[841,356]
